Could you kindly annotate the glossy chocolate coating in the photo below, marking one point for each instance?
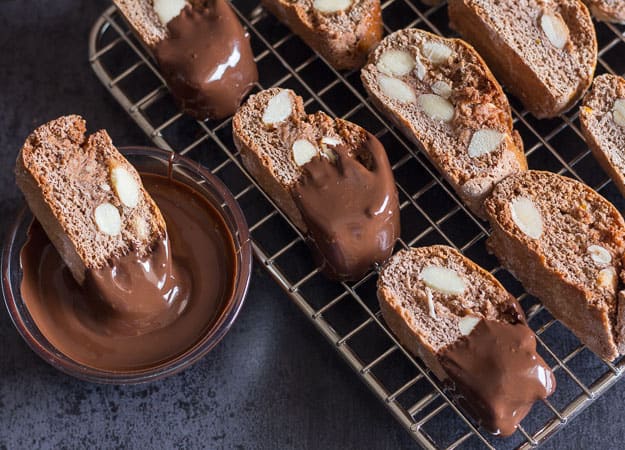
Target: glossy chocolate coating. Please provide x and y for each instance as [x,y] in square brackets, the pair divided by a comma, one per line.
[497,374]
[207,60]
[351,209]
[146,292]
[148,331]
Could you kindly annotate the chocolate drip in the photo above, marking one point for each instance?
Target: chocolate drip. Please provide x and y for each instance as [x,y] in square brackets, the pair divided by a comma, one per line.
[350,207]
[141,321]
[497,374]
[144,293]
[207,60]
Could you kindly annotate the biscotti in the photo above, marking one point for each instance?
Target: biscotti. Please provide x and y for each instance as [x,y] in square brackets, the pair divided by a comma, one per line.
[607,10]
[543,52]
[202,51]
[564,242]
[329,176]
[469,331]
[440,93]
[88,198]
[342,31]
[602,119]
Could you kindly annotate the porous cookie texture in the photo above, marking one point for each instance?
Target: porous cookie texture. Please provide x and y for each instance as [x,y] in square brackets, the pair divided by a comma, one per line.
[543,51]
[342,31]
[564,242]
[442,95]
[607,10]
[425,317]
[86,195]
[602,119]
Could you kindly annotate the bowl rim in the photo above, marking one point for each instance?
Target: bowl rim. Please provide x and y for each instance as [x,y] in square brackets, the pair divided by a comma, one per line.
[243,248]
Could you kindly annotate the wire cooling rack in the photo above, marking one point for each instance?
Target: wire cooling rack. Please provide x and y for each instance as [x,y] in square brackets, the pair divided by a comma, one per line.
[347,314]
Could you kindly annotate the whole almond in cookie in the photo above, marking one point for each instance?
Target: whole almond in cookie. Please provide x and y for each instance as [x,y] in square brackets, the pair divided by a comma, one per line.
[565,243]
[468,330]
[329,176]
[441,94]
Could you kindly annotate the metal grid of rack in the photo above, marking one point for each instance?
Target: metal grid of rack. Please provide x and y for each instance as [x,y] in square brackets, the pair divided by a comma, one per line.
[347,314]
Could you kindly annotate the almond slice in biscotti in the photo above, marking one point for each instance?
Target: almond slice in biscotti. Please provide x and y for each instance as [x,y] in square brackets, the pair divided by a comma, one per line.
[450,105]
[352,221]
[86,195]
[607,10]
[342,31]
[543,52]
[602,119]
[564,242]
[442,307]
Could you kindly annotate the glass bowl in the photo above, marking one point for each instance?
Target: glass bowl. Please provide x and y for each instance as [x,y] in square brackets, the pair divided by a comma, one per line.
[183,170]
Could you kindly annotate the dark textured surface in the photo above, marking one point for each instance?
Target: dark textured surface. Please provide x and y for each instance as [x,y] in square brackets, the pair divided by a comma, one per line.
[273,382]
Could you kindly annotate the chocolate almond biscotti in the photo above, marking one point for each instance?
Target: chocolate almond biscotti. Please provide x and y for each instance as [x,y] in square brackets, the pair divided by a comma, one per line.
[468,330]
[88,198]
[203,52]
[109,285]
[543,51]
[342,31]
[565,243]
[442,95]
[602,119]
[329,176]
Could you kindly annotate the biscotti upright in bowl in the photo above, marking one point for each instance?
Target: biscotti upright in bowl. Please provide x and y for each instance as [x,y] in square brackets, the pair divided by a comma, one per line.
[63,174]
[468,330]
[564,242]
[607,10]
[543,52]
[602,119]
[329,176]
[145,300]
[202,51]
[442,95]
[342,31]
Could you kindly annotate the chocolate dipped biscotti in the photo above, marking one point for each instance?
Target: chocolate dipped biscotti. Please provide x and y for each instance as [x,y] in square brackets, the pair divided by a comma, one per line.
[468,330]
[329,176]
[602,119]
[565,243]
[107,229]
[442,95]
[63,174]
[203,52]
[543,52]
[342,31]
[123,273]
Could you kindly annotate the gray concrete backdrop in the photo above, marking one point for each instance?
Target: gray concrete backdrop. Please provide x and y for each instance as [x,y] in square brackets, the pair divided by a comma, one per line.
[272,383]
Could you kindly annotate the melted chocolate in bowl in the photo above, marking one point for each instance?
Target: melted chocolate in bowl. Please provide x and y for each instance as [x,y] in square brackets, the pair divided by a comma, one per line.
[89,332]
[140,292]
